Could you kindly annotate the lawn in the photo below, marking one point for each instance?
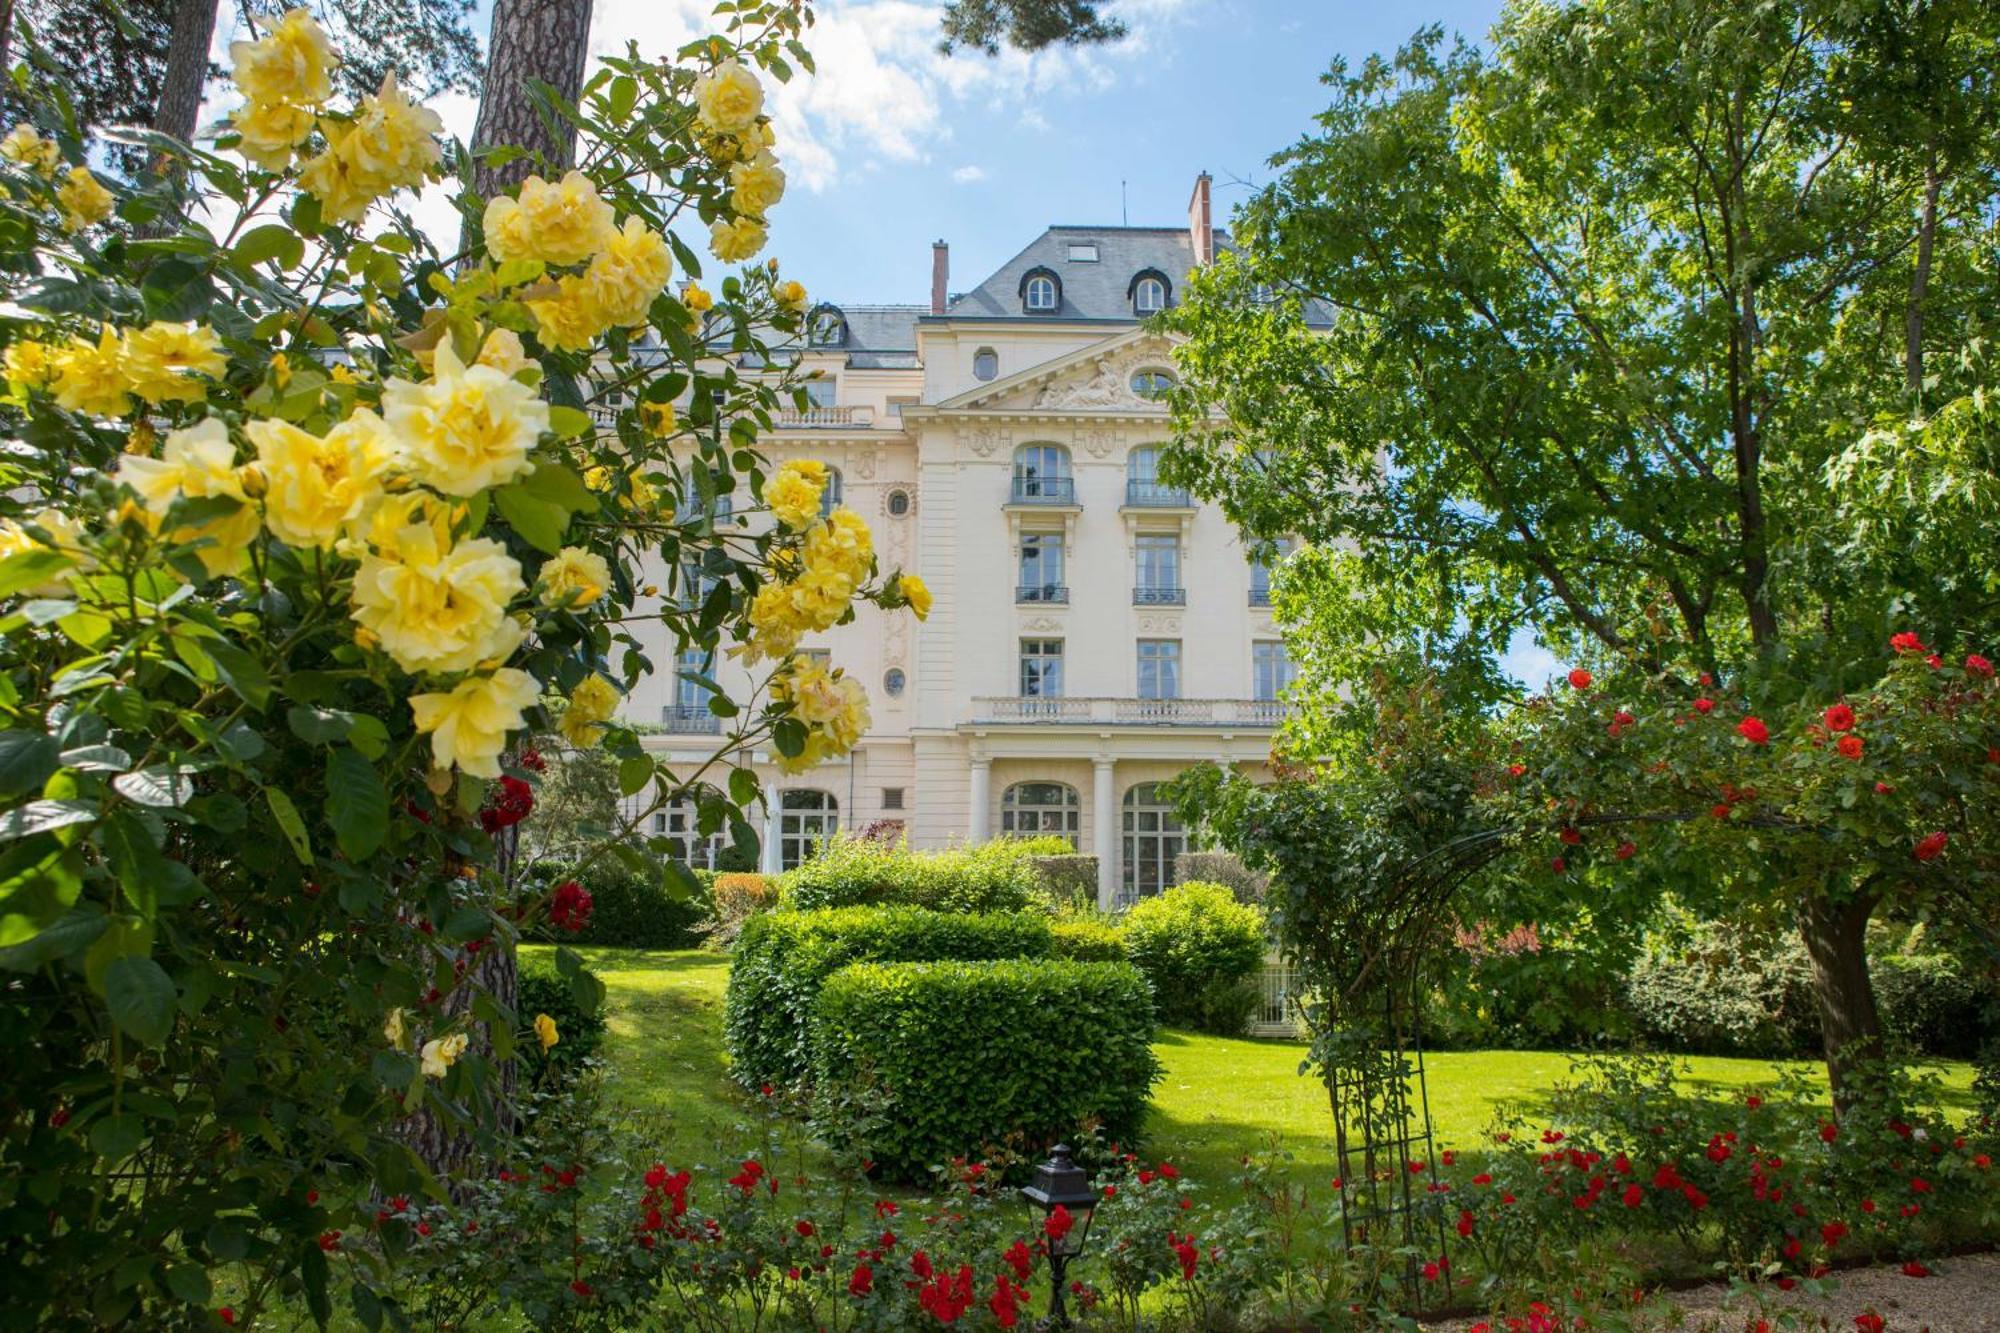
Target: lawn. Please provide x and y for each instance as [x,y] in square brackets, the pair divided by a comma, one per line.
[1219,1097]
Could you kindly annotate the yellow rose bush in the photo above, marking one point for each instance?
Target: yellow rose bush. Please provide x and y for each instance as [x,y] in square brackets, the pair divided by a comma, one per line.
[311,531]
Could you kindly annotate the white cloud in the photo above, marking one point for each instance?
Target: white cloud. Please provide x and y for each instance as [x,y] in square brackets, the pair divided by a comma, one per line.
[969,175]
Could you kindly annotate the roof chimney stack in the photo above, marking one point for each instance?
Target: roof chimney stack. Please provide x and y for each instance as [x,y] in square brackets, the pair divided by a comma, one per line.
[1201,223]
[940,275]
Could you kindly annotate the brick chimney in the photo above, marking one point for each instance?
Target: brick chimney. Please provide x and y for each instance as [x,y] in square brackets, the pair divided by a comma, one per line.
[1201,222]
[940,275]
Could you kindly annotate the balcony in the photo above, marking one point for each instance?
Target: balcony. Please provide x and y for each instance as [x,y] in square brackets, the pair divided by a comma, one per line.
[1260,597]
[690,720]
[1042,594]
[1155,495]
[1253,713]
[825,418]
[1043,491]
[1159,596]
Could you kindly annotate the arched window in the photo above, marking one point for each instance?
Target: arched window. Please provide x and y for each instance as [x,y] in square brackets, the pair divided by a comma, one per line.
[829,327]
[985,364]
[806,819]
[1042,476]
[679,823]
[1153,838]
[1142,481]
[1149,294]
[899,502]
[1151,382]
[1032,809]
[1143,464]
[829,498]
[1041,292]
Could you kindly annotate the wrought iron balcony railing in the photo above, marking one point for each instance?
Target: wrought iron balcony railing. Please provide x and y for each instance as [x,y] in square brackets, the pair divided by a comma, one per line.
[1155,495]
[1159,596]
[690,720]
[1260,597]
[1042,592]
[1043,491]
[1252,713]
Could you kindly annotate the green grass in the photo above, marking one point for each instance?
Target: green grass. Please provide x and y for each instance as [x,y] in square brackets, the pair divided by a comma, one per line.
[1219,1098]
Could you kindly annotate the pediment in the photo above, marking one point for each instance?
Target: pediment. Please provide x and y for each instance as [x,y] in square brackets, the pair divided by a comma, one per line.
[1097,378]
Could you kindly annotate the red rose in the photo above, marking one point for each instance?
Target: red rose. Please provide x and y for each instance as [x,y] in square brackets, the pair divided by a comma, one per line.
[803,1227]
[1839,718]
[1720,811]
[1516,770]
[1975,665]
[510,802]
[1571,836]
[569,908]
[1707,679]
[862,1282]
[1754,731]
[1849,747]
[1558,865]
[226,1315]
[1704,705]
[1915,1269]
[1465,1222]
[1883,789]
[1831,1233]
[1928,847]
[1828,1132]
[1058,1222]
[1626,850]
[1907,642]
[1579,679]
[1868,1323]
[1021,1259]
[1634,1196]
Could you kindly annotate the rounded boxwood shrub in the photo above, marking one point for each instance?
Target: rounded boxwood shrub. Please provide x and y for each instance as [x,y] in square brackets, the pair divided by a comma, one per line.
[1088,941]
[1202,950]
[781,959]
[631,910]
[979,1059]
[997,876]
[540,989]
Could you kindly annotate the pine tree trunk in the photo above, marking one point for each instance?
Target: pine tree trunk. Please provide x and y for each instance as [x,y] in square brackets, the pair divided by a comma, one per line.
[545,40]
[1850,1023]
[187,69]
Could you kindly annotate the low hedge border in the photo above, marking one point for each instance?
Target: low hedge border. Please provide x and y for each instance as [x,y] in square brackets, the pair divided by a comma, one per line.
[782,958]
[957,1059]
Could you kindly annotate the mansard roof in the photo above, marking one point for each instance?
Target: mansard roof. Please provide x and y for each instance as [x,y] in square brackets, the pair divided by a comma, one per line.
[1099,289]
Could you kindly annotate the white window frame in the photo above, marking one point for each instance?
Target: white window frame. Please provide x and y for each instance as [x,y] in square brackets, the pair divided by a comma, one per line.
[680,822]
[1159,669]
[1139,291]
[1021,817]
[1271,670]
[807,817]
[1042,283]
[1042,656]
[1153,838]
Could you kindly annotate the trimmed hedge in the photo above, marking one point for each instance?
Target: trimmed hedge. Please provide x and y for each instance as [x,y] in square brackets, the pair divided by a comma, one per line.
[1932,1004]
[1202,950]
[1087,941]
[996,876]
[959,1059]
[782,958]
[1717,989]
[634,911]
[1226,869]
[1068,880]
[541,989]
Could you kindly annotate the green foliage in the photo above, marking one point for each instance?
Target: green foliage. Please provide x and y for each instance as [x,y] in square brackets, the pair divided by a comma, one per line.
[1087,940]
[782,959]
[542,989]
[967,1058]
[1933,1004]
[1721,990]
[1068,881]
[1024,25]
[633,908]
[1224,868]
[850,871]
[1201,950]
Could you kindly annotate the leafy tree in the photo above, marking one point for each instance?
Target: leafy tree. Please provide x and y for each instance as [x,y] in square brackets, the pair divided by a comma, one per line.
[1611,335]
[1027,25]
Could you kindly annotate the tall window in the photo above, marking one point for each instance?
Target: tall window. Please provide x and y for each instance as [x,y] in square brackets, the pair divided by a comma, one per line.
[1041,472]
[829,498]
[822,392]
[1270,668]
[805,820]
[680,823]
[1159,668]
[1031,809]
[1149,296]
[1153,838]
[1260,572]
[1142,465]
[1159,571]
[1041,668]
[1041,577]
[1041,293]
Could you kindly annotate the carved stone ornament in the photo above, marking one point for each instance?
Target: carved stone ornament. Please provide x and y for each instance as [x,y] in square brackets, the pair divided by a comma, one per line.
[984,441]
[1100,443]
[1158,624]
[1042,624]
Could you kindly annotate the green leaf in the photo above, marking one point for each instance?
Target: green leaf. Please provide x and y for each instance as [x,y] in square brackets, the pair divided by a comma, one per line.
[293,827]
[42,816]
[559,486]
[271,242]
[140,997]
[318,726]
[679,881]
[357,804]
[369,736]
[27,568]
[161,788]
[117,1137]
[127,846]
[189,1282]
[568,422]
[634,773]
[624,96]
[40,880]
[243,673]
[540,523]
[27,758]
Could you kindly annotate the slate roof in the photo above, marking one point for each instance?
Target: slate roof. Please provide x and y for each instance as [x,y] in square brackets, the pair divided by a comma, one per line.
[1099,290]
[882,337]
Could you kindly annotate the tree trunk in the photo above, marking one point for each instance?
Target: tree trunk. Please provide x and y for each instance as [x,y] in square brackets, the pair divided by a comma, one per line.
[6,32]
[187,69]
[1850,1024]
[1920,279]
[545,40]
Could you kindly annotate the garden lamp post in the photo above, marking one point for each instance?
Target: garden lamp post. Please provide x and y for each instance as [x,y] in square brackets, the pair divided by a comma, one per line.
[1066,1198]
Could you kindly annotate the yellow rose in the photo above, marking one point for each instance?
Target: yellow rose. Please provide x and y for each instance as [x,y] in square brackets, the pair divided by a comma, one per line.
[790,296]
[794,491]
[696,299]
[568,319]
[469,725]
[291,63]
[574,578]
[393,1029]
[269,133]
[391,144]
[61,533]
[756,186]
[915,595]
[631,269]
[436,606]
[843,544]
[197,462]
[317,487]
[28,365]
[728,99]
[441,1053]
[545,1031]
[833,706]
[343,193]
[24,145]
[597,477]
[85,203]
[659,417]
[502,350]
[591,704]
[157,355]
[563,223]
[734,241]
[467,428]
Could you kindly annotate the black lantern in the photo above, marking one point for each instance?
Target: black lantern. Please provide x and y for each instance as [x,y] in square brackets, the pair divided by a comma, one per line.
[1067,1199]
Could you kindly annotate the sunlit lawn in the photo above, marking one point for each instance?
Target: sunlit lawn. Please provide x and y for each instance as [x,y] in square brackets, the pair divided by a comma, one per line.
[1219,1098]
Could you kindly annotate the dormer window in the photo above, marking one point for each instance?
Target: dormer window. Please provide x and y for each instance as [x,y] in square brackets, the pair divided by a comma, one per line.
[1149,292]
[1083,252]
[1041,292]
[828,327]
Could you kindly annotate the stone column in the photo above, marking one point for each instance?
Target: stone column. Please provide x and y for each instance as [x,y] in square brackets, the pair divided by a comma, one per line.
[1104,817]
[771,861]
[981,799]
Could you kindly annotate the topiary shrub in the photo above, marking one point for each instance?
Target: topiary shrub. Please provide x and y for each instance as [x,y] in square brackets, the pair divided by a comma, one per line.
[1202,950]
[1068,881]
[631,910]
[997,876]
[541,989]
[735,897]
[1931,1004]
[1087,940]
[782,958]
[1224,868]
[961,1059]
